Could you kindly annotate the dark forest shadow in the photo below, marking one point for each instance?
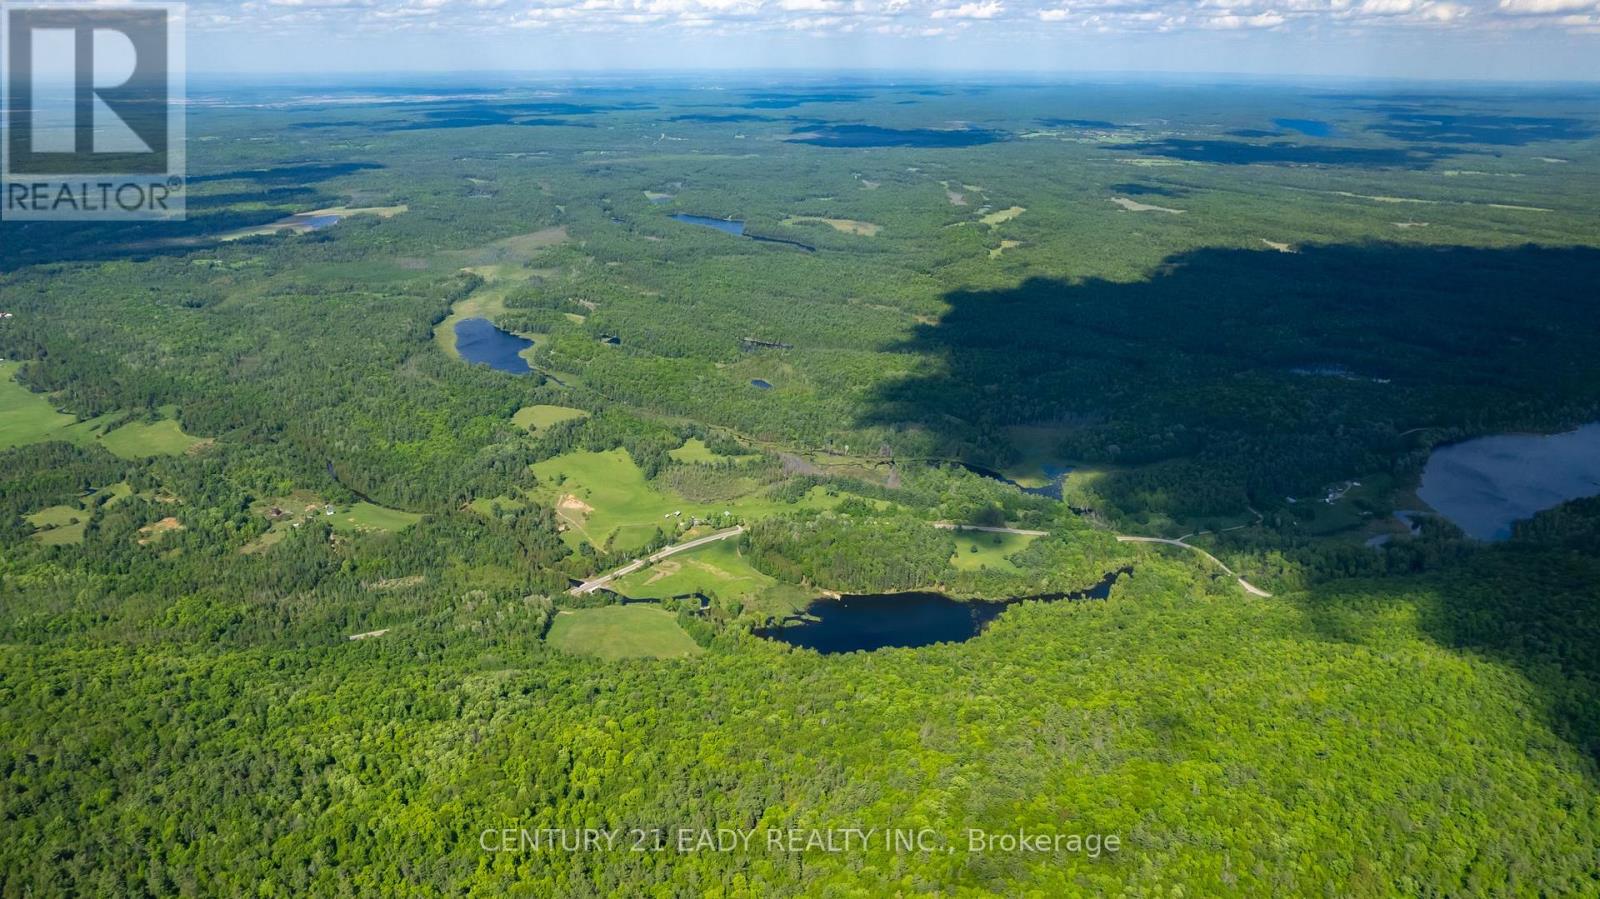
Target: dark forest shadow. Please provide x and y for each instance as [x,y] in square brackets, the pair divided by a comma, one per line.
[1494,130]
[40,243]
[1274,369]
[1232,152]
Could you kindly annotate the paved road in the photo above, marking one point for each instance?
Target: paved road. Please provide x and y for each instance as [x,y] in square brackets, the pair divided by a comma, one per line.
[590,586]
[1248,587]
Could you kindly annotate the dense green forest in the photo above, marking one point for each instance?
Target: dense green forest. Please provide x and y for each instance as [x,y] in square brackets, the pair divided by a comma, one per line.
[291,591]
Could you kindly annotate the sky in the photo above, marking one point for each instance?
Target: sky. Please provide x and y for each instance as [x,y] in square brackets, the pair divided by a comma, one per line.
[1412,39]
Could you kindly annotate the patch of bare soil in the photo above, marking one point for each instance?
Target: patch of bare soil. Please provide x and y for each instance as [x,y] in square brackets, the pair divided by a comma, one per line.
[664,568]
[156,530]
[570,503]
[1136,206]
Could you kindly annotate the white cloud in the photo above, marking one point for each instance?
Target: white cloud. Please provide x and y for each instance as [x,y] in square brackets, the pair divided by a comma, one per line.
[1543,7]
[1233,22]
[1446,12]
[1387,7]
[985,10]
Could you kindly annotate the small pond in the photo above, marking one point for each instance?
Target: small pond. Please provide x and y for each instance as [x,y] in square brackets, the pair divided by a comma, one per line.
[736,228]
[730,226]
[760,384]
[1484,485]
[859,623]
[478,341]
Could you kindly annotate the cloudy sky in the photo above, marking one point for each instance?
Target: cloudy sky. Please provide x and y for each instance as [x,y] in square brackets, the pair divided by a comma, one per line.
[1479,39]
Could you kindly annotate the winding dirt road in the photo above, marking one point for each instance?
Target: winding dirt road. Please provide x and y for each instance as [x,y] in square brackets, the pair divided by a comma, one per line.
[1248,587]
[1121,538]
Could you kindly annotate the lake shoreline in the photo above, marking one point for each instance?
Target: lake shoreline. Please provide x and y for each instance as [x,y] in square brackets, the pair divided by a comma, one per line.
[840,623]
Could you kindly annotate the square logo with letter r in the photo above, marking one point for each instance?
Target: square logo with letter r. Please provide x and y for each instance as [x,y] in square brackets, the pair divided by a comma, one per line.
[92,110]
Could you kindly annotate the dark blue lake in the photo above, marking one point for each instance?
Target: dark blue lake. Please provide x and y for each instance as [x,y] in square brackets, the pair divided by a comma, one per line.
[862,623]
[1483,486]
[761,385]
[736,228]
[478,341]
[858,136]
[731,226]
[1308,127]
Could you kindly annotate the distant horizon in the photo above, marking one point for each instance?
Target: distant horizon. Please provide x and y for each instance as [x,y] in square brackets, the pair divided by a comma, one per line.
[1434,40]
[884,75]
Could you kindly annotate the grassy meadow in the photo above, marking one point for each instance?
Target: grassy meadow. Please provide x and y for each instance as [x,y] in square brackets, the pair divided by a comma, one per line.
[621,632]
[604,499]
[976,550]
[538,418]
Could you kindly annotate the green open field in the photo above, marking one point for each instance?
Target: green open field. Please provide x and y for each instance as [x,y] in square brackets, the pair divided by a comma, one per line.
[991,550]
[64,524]
[604,497]
[621,632]
[119,492]
[25,416]
[64,535]
[364,516]
[694,450]
[58,525]
[140,440]
[28,417]
[56,516]
[302,505]
[717,569]
[537,418]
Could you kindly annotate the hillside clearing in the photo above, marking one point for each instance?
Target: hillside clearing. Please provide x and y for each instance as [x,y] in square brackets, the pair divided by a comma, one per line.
[621,632]
[843,226]
[538,418]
